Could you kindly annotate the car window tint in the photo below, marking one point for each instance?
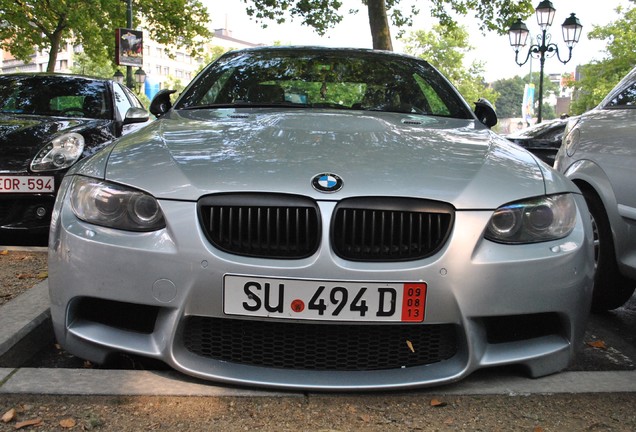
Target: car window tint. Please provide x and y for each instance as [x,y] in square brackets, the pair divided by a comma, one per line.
[121,101]
[302,78]
[626,98]
[54,95]
[211,95]
[435,104]
[62,103]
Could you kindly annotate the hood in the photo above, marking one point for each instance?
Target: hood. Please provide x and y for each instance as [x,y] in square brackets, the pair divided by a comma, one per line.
[188,154]
[22,136]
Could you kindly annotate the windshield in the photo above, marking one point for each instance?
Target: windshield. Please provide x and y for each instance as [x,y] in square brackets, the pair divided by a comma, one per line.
[340,79]
[50,95]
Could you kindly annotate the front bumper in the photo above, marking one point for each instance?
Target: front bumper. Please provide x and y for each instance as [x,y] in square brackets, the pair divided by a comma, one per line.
[26,213]
[138,293]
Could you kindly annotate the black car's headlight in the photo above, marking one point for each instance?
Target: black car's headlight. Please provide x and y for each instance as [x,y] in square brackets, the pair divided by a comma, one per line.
[535,220]
[60,153]
[111,205]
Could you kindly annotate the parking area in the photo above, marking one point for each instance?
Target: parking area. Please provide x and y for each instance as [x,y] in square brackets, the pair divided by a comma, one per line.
[31,362]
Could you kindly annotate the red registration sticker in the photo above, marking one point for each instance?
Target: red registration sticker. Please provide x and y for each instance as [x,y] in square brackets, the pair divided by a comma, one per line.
[414,302]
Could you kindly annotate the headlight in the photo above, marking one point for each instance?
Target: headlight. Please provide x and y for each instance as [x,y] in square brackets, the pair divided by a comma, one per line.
[535,220]
[115,206]
[60,153]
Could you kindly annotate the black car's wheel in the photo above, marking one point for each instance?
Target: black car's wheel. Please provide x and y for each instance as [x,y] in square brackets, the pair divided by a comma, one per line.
[611,289]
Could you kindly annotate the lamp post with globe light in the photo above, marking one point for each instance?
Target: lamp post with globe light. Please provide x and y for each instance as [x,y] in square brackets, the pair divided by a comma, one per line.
[139,75]
[519,32]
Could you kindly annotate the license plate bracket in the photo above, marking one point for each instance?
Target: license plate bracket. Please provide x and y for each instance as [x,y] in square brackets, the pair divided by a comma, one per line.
[26,184]
[324,300]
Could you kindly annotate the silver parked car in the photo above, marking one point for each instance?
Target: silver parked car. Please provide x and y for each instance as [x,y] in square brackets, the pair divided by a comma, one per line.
[321,219]
[599,155]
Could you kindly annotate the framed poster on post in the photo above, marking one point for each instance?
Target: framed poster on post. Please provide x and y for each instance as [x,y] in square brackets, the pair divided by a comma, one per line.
[129,47]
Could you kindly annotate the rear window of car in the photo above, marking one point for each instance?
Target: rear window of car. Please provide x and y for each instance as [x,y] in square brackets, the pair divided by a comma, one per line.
[324,79]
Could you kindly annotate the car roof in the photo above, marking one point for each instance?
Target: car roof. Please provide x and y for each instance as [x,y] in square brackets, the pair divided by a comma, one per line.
[53,75]
[539,128]
[322,49]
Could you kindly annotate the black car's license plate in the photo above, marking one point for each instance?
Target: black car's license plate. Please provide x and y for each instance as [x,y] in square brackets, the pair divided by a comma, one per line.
[26,184]
[324,300]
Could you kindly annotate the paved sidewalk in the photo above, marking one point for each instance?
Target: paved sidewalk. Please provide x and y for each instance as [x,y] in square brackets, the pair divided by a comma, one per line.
[27,315]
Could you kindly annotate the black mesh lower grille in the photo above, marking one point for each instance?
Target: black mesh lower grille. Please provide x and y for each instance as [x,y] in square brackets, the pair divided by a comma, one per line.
[310,346]
[22,211]
[261,225]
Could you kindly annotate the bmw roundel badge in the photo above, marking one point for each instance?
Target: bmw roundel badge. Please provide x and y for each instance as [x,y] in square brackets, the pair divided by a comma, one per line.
[327,182]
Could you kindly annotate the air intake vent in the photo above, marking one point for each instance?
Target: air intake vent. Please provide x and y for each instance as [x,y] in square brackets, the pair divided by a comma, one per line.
[261,225]
[390,229]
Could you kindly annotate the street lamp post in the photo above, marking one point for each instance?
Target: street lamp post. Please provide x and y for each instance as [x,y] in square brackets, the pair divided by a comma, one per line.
[518,35]
[140,79]
[129,15]
[119,77]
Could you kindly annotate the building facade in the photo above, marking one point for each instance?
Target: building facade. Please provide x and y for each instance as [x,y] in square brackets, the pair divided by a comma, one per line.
[163,65]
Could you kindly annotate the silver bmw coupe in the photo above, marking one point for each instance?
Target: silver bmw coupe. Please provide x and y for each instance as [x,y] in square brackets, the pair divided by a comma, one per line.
[326,219]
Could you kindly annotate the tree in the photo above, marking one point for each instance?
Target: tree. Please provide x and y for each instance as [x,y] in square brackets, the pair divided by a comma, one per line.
[445,50]
[83,65]
[510,92]
[511,95]
[324,14]
[29,25]
[599,77]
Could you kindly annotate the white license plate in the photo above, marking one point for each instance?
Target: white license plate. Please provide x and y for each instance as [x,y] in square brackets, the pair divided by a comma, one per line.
[324,300]
[26,184]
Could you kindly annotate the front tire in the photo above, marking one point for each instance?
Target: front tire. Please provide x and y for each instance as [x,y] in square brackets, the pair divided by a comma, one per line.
[611,289]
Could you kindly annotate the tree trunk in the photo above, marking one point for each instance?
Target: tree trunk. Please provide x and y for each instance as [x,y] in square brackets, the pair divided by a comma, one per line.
[379,24]
[55,39]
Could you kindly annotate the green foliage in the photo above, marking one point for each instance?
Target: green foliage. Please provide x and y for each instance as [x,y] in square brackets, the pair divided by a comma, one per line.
[84,65]
[28,25]
[494,15]
[599,77]
[319,14]
[445,49]
[511,95]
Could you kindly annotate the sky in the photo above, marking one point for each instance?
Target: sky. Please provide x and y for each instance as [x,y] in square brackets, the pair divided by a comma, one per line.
[491,49]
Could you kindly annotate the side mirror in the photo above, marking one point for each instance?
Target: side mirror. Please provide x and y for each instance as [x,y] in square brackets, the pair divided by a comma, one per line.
[136,115]
[485,112]
[161,102]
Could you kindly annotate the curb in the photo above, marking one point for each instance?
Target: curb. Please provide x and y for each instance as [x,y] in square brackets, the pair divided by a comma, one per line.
[25,325]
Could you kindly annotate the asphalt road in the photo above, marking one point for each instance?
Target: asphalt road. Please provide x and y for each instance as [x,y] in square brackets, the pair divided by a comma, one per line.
[610,341]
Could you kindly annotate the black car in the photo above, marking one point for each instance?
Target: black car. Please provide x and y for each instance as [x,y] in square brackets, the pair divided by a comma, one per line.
[543,139]
[47,123]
